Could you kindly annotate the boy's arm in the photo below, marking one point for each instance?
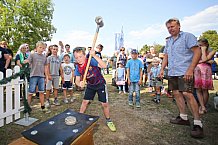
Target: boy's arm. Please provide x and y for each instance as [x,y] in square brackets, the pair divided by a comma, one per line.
[77,81]
[101,63]
[140,80]
[72,76]
[127,76]
[62,74]
[48,74]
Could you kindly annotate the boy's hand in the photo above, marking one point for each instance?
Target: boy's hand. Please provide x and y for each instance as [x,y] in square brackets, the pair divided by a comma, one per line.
[129,82]
[92,52]
[82,85]
[71,80]
[62,79]
[140,82]
[49,77]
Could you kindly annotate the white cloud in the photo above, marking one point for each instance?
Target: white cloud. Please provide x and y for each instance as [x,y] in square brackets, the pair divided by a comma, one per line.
[202,21]
[196,24]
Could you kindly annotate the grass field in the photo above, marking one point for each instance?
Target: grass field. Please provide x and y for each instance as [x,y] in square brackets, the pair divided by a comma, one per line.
[146,126]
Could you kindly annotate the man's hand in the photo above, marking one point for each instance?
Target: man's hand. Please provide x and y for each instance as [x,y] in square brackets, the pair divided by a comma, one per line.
[161,74]
[189,75]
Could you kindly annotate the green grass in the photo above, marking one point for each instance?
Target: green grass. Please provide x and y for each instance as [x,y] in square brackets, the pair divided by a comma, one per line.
[148,125]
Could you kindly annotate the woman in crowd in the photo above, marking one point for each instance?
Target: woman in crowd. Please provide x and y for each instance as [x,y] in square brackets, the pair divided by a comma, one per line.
[203,75]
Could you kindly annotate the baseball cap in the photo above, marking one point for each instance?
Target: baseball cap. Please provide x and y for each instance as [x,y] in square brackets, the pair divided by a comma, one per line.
[134,51]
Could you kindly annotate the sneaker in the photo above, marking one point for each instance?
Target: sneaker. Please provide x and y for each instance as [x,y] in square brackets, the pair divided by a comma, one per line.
[56,102]
[47,104]
[65,101]
[138,105]
[124,92]
[130,103]
[197,132]
[111,126]
[46,110]
[72,99]
[154,100]
[178,120]
[158,101]
[120,92]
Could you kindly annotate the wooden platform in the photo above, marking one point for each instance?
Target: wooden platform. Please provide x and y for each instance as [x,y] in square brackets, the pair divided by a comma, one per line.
[86,138]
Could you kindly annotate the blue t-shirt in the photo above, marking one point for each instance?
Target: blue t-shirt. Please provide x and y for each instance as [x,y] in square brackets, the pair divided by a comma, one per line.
[94,76]
[134,66]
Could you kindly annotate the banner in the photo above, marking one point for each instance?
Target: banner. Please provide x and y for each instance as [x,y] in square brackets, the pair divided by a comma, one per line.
[119,40]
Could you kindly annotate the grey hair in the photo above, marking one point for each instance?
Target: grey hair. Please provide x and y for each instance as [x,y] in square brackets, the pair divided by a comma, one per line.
[173,20]
[22,46]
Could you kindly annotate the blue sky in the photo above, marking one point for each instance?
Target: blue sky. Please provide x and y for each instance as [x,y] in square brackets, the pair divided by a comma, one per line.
[143,21]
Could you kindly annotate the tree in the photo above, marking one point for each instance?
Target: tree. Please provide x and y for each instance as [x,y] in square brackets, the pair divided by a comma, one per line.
[212,37]
[145,48]
[26,21]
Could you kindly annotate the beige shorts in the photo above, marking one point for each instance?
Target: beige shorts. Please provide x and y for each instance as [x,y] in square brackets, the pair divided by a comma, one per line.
[54,82]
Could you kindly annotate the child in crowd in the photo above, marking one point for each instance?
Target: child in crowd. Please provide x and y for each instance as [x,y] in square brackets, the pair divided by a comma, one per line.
[67,75]
[37,73]
[120,77]
[134,75]
[99,49]
[52,75]
[95,82]
[156,82]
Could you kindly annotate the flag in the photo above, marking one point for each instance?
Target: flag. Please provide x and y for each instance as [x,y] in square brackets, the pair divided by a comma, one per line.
[119,40]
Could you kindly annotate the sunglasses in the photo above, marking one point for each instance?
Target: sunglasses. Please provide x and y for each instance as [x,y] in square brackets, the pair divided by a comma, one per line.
[122,50]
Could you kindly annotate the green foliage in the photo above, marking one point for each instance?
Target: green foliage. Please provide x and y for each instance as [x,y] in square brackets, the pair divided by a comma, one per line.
[24,71]
[212,37]
[26,21]
[145,48]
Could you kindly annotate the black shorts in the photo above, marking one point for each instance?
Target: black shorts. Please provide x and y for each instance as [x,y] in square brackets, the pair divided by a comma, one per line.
[67,85]
[101,89]
[178,83]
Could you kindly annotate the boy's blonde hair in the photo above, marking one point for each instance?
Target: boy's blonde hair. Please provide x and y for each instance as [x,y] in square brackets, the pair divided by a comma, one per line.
[40,43]
[156,60]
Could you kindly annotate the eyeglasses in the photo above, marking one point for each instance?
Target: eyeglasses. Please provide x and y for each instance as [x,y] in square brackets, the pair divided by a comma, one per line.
[122,50]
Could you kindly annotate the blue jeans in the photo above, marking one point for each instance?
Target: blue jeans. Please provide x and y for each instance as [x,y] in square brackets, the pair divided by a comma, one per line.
[134,87]
[34,81]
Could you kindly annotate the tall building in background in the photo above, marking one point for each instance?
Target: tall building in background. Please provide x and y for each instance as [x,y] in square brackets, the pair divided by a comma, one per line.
[119,40]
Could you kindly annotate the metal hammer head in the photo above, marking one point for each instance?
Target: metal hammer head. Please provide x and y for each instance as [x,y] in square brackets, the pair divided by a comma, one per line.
[99,21]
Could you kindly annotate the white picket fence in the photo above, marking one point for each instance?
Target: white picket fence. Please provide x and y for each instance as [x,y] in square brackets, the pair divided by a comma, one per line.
[10,107]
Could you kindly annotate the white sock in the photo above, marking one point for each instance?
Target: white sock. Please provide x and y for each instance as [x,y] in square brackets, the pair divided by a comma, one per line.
[198,122]
[184,116]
